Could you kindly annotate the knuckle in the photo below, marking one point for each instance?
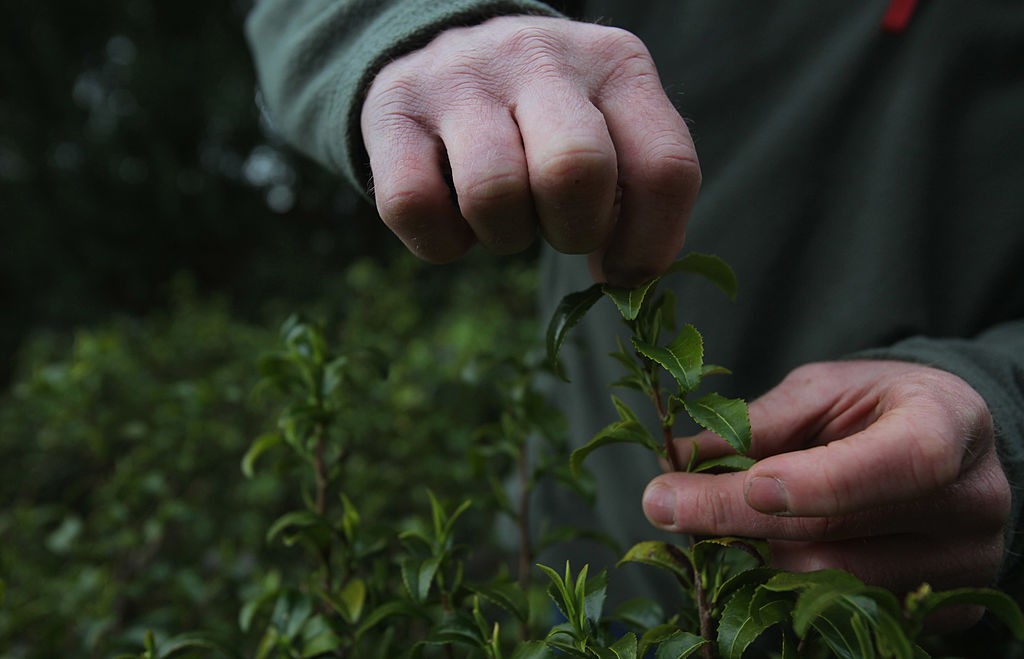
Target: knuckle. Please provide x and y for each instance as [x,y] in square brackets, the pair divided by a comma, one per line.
[670,167]
[478,196]
[626,56]
[574,166]
[401,209]
[534,51]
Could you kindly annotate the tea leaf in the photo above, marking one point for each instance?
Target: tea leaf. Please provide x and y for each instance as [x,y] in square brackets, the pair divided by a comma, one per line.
[625,647]
[726,417]
[533,650]
[620,432]
[393,609]
[712,268]
[745,618]
[595,591]
[641,613]
[676,560]
[679,646]
[353,596]
[924,602]
[418,575]
[507,595]
[628,300]
[683,358]
[569,312]
[724,463]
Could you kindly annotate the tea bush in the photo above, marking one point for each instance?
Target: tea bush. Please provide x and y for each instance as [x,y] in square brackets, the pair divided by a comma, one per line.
[125,508]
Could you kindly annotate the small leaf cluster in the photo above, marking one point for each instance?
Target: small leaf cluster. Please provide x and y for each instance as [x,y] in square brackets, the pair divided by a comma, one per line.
[648,315]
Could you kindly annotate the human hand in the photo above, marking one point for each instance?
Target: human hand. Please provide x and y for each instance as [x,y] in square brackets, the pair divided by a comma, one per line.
[885,469]
[545,123]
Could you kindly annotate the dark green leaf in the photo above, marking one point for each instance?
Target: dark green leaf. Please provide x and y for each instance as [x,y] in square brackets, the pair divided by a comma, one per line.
[533,650]
[595,591]
[745,617]
[625,647]
[712,268]
[679,646]
[641,613]
[394,609]
[196,641]
[319,638]
[418,575]
[726,417]
[837,629]
[683,358]
[924,602]
[569,312]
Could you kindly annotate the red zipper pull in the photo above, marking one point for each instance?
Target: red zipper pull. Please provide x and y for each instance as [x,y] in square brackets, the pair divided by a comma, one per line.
[897,16]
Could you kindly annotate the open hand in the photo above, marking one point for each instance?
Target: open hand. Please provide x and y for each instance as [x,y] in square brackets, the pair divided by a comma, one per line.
[885,469]
[535,123]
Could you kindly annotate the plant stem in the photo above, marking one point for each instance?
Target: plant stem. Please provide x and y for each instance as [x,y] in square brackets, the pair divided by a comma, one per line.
[707,625]
[667,437]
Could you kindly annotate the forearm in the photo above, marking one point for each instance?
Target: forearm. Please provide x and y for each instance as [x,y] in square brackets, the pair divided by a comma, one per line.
[316,58]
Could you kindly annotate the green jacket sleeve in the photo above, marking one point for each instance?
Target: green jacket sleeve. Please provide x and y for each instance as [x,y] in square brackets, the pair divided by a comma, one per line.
[993,364]
[315,59]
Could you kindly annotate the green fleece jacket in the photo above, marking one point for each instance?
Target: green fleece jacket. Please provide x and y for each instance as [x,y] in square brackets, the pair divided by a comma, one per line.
[867,186]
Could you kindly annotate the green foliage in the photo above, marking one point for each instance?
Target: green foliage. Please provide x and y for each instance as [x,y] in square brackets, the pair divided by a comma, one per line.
[173,495]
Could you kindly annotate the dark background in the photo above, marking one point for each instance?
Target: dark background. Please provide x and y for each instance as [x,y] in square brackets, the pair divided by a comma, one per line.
[132,151]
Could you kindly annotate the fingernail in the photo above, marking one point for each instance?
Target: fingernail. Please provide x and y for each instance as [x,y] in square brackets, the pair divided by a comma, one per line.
[768,495]
[660,505]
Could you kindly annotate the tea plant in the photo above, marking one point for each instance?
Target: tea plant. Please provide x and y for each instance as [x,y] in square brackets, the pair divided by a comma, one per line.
[386,560]
[738,601]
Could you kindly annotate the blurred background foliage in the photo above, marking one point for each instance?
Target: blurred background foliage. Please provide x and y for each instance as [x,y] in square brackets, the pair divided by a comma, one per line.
[153,235]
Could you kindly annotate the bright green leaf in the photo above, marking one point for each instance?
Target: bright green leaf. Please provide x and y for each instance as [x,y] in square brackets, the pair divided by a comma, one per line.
[620,432]
[353,596]
[628,300]
[726,417]
[683,358]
